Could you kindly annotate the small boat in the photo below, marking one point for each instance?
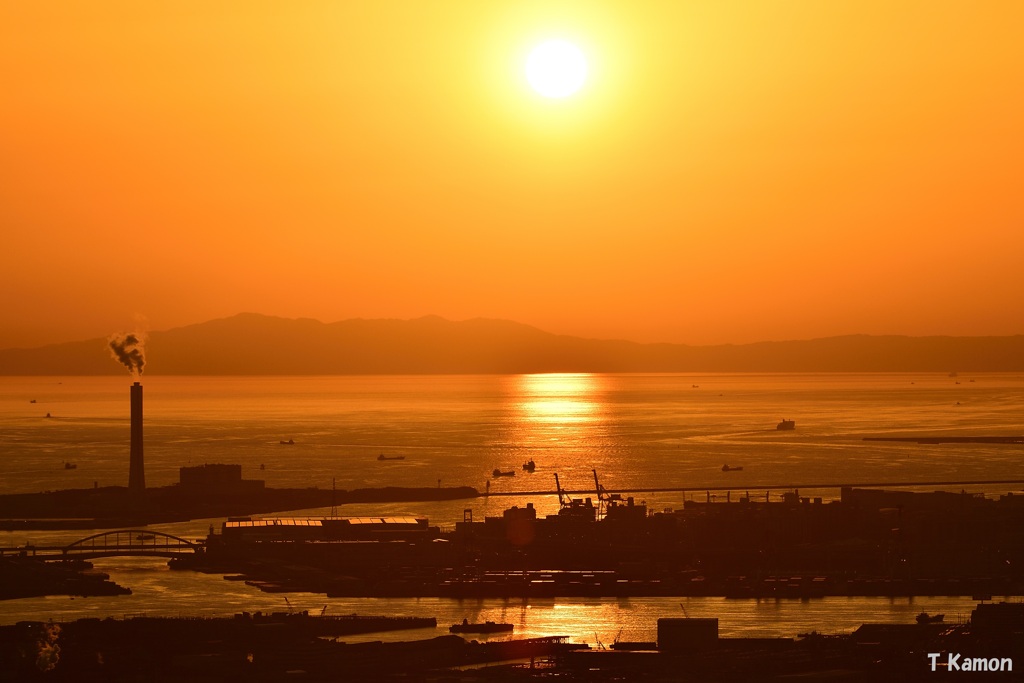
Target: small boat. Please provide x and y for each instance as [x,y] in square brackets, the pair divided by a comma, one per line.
[499,473]
[486,627]
[786,425]
[70,466]
[390,457]
[726,468]
[289,442]
[925,618]
[529,465]
[32,400]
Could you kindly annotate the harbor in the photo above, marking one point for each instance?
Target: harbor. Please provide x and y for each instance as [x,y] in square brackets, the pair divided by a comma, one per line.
[807,553]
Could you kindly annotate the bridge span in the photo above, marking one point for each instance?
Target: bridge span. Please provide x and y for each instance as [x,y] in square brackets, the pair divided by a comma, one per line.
[119,543]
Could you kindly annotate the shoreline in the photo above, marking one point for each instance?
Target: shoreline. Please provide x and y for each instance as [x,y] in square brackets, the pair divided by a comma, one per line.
[114,506]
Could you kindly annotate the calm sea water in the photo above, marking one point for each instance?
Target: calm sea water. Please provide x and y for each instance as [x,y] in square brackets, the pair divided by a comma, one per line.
[637,431]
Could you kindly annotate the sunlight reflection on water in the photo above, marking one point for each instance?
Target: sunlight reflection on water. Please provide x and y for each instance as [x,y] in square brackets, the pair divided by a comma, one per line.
[637,430]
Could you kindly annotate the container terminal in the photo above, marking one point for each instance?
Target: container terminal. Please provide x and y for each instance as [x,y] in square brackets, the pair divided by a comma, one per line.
[869,542]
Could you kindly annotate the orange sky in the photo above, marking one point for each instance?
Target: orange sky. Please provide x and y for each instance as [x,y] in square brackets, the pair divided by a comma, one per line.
[731,172]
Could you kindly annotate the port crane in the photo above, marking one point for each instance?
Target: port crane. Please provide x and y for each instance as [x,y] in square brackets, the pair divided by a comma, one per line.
[605,500]
[571,507]
[563,499]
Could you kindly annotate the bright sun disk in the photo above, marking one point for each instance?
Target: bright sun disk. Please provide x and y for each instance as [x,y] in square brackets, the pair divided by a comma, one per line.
[556,68]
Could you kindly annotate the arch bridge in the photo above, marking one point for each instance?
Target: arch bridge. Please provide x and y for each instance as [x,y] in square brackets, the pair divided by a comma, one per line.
[119,543]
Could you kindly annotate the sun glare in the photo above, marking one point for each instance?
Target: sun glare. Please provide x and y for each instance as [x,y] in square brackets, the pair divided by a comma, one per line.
[556,69]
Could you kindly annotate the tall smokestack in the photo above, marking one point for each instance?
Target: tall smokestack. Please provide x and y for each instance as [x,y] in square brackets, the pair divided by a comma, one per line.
[136,468]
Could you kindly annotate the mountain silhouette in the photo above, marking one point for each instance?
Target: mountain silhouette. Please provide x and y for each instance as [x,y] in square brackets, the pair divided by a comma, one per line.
[253,344]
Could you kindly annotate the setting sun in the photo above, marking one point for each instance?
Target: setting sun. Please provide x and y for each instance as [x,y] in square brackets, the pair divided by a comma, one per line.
[277,160]
[556,69]
[688,334]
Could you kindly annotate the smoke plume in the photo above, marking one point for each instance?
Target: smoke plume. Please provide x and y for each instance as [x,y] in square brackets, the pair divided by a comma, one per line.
[129,350]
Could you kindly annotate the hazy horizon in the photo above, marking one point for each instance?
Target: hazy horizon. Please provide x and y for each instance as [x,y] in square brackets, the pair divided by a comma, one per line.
[146,330]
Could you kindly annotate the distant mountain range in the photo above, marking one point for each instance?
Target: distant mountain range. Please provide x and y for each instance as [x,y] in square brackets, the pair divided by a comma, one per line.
[251,344]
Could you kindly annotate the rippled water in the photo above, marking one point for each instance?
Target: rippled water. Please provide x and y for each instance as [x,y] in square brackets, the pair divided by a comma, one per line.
[638,431]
